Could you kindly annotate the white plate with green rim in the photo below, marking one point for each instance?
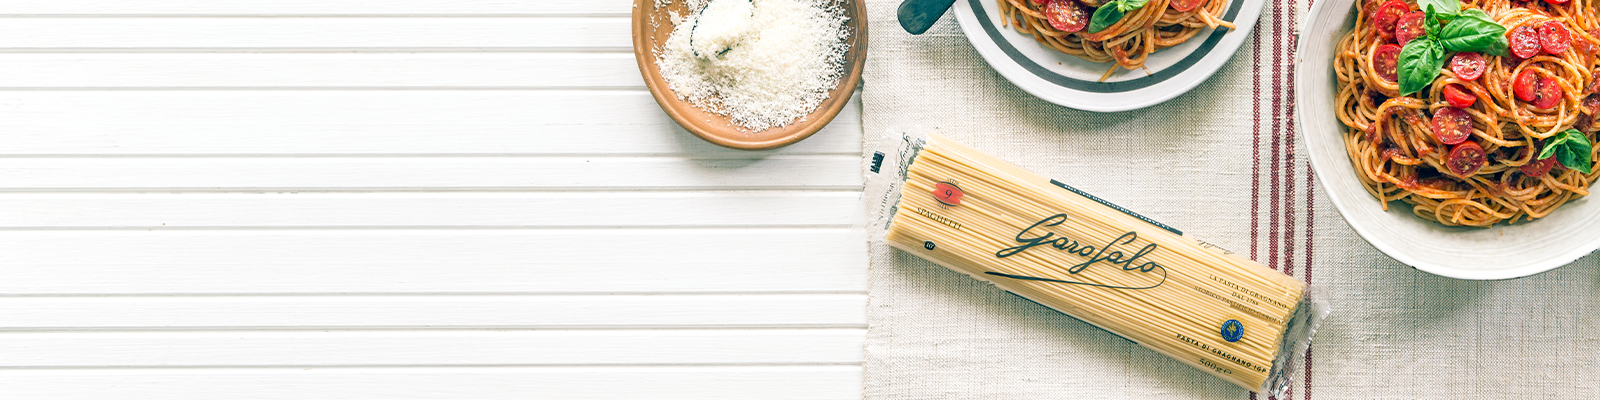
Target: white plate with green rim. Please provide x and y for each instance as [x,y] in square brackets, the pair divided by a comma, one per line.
[1074,82]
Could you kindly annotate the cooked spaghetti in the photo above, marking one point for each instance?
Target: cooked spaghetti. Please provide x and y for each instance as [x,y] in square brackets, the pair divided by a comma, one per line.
[1128,43]
[1465,150]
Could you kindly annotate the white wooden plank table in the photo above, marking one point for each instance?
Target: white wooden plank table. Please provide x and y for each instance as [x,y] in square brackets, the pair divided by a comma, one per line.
[400,199]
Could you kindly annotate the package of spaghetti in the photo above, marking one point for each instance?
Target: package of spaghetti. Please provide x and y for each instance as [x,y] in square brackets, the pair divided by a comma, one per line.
[1073,252]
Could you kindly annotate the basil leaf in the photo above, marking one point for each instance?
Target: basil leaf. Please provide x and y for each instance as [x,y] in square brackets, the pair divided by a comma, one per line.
[1470,34]
[1447,7]
[1576,138]
[1571,149]
[1566,157]
[1479,14]
[1500,47]
[1104,17]
[1431,25]
[1130,5]
[1420,62]
[1550,146]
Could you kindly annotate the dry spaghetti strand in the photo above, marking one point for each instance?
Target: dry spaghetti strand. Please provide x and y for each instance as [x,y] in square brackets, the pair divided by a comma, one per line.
[1397,156]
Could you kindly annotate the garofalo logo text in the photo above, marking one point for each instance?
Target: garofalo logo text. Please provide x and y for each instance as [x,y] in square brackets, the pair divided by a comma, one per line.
[1096,255]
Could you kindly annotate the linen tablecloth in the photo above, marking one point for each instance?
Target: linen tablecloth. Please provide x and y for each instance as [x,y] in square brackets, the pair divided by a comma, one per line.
[1224,164]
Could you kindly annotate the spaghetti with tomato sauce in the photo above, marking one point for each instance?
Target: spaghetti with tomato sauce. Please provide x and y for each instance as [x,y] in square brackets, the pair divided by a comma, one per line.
[1465,150]
[1064,25]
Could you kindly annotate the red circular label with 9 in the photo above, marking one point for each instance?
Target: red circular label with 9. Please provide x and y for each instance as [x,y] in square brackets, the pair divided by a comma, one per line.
[947,193]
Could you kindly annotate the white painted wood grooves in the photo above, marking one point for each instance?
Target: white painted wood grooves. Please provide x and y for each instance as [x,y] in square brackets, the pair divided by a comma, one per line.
[434,347]
[311,34]
[400,199]
[80,8]
[454,311]
[319,70]
[425,383]
[436,261]
[428,210]
[435,173]
[368,122]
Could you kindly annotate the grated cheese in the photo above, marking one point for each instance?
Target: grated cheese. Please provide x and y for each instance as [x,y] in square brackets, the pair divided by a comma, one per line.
[722,25]
[767,78]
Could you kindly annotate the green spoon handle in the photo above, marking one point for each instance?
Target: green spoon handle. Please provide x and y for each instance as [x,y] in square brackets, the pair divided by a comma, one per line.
[916,16]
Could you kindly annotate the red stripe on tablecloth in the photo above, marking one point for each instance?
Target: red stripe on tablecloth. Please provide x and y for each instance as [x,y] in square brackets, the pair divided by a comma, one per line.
[1291,176]
[1310,207]
[1283,180]
[1281,205]
[1255,148]
[1275,234]
[1255,141]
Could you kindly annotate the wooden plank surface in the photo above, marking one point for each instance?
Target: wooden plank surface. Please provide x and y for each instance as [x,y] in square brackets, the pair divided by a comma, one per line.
[368,122]
[302,312]
[430,173]
[750,261]
[175,262]
[400,199]
[440,383]
[314,34]
[433,347]
[79,8]
[426,210]
[258,71]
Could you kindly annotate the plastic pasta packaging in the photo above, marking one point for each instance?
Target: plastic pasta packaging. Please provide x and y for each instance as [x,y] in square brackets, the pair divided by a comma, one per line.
[1085,257]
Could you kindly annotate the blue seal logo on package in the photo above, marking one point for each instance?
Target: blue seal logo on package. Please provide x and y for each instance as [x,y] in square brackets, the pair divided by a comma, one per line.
[1232,330]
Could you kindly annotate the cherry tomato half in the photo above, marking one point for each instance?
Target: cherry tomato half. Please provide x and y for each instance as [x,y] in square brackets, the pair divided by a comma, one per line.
[1467,66]
[1459,96]
[1538,168]
[1452,125]
[1554,37]
[1384,19]
[1386,61]
[1466,159]
[1525,42]
[1185,5]
[1066,15]
[1039,2]
[1409,27]
[1549,93]
[1542,92]
[1525,85]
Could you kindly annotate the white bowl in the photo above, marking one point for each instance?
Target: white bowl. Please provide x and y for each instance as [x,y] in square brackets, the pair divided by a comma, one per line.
[1502,252]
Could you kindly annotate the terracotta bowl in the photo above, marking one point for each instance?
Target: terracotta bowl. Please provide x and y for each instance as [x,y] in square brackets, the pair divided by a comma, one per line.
[718,129]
